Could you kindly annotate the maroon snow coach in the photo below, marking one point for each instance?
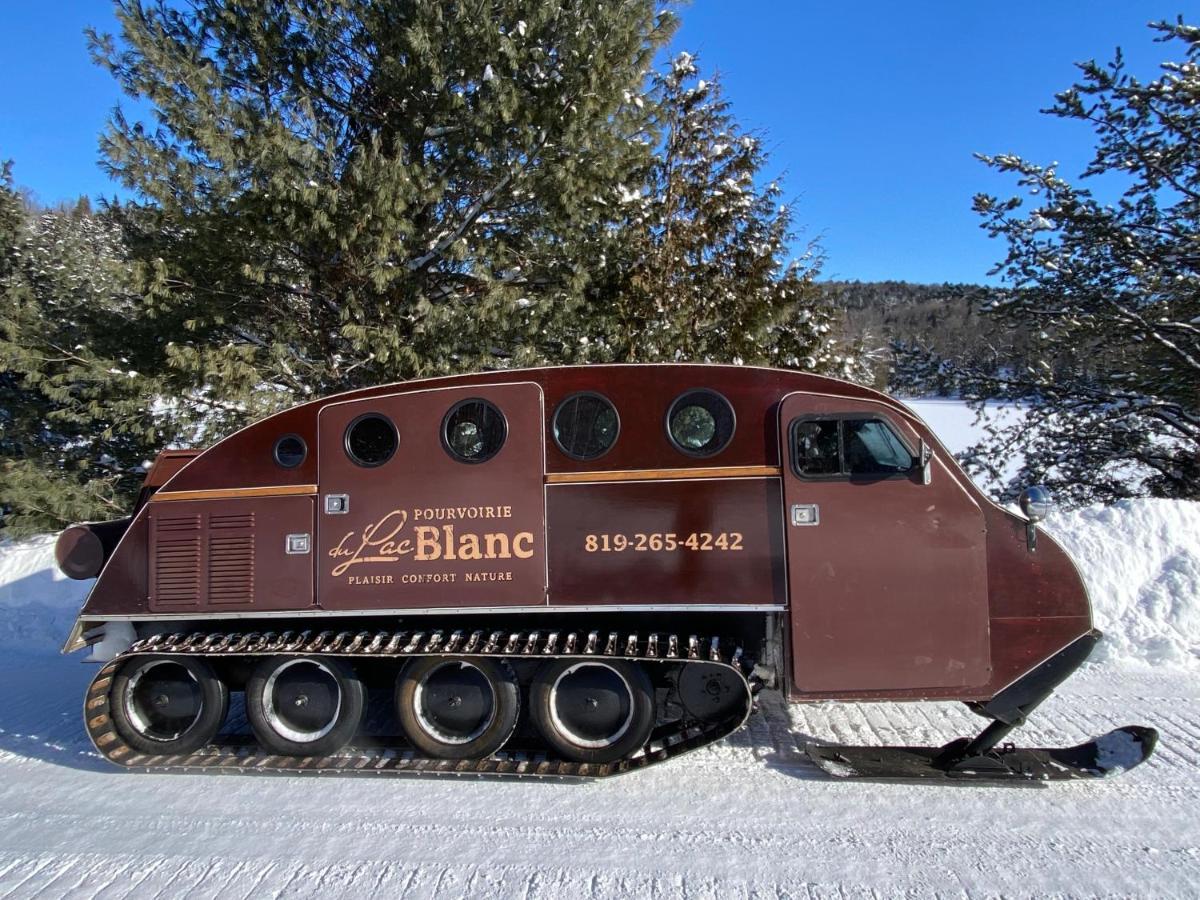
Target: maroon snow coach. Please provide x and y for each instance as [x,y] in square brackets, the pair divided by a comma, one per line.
[572,572]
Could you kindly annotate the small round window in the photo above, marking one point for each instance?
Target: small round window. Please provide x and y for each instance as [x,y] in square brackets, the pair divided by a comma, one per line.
[700,423]
[290,451]
[474,431]
[586,426]
[371,440]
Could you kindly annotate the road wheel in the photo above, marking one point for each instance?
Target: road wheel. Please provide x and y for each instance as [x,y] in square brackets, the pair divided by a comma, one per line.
[456,708]
[168,704]
[592,710]
[304,705]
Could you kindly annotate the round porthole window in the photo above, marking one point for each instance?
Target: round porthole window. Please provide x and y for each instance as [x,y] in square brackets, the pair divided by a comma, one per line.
[371,440]
[290,451]
[700,423]
[586,426]
[474,430]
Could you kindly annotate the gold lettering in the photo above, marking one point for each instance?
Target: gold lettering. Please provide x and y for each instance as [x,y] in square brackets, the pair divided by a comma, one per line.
[428,546]
[497,545]
[390,525]
[385,541]
[341,549]
[468,547]
[489,576]
[526,538]
[369,579]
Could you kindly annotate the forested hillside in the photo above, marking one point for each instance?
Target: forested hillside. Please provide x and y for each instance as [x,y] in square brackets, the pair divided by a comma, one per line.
[903,323]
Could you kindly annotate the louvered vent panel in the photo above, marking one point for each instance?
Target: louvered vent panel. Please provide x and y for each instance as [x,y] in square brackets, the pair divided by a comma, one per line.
[231,560]
[177,553]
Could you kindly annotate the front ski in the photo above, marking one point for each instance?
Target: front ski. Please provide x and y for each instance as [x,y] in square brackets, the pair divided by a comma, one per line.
[1116,752]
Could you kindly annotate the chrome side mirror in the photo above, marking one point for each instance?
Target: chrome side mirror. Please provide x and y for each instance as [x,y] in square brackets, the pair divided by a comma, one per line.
[926,462]
[1036,504]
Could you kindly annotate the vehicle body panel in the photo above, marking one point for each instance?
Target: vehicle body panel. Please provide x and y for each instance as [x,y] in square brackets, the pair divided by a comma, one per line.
[964,589]
[675,543]
[424,529]
[229,555]
[889,586]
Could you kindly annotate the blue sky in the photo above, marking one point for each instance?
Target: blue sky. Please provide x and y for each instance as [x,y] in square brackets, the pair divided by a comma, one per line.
[871,111]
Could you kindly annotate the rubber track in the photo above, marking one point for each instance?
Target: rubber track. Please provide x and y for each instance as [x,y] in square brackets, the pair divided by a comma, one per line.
[224,756]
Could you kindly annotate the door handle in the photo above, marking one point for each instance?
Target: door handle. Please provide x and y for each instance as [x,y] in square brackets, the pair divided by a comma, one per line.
[806,514]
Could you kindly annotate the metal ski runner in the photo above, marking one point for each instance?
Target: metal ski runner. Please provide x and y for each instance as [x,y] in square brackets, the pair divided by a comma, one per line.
[1111,754]
[230,754]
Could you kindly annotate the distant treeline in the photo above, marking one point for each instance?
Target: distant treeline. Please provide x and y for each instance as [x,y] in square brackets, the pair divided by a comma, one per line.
[908,330]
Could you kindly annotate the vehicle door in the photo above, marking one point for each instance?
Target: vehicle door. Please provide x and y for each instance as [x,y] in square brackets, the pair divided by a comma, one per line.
[887,574]
[432,499]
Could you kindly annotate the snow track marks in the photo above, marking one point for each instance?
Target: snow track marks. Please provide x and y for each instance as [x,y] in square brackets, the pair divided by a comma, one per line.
[744,818]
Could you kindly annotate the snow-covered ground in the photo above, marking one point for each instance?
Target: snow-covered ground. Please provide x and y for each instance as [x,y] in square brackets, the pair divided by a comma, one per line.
[748,817]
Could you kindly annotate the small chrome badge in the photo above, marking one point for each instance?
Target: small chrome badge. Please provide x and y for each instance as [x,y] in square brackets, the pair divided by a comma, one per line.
[298,544]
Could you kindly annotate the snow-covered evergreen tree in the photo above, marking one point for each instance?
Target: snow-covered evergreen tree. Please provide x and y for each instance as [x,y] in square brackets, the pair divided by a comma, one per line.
[1111,288]
[703,265]
[76,361]
[340,192]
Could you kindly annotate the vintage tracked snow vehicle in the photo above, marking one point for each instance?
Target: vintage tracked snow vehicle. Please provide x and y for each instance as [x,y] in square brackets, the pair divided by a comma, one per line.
[571,571]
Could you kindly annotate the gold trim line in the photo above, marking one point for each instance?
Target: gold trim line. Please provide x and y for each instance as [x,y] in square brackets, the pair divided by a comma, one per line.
[665,474]
[299,490]
[278,490]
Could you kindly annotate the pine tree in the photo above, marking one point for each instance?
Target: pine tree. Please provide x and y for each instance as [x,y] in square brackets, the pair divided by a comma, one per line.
[701,267]
[1111,291]
[77,416]
[342,192]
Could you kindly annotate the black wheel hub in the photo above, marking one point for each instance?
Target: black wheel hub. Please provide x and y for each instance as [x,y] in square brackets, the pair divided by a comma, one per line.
[456,703]
[164,701]
[592,703]
[304,698]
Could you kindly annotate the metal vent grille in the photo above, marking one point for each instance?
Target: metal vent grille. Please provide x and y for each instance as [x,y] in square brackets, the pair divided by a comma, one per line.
[177,549]
[231,560]
[202,560]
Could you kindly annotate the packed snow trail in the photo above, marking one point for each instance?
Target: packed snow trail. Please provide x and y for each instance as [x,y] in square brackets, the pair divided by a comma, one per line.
[746,817]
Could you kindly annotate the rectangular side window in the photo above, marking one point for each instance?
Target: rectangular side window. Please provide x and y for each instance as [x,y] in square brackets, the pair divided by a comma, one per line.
[872,448]
[815,449]
[848,447]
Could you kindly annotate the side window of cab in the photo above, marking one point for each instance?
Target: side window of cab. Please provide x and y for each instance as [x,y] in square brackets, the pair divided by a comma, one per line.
[848,446]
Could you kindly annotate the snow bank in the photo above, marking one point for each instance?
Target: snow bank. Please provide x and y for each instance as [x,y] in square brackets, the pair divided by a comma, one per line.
[1141,561]
[37,602]
[1140,558]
